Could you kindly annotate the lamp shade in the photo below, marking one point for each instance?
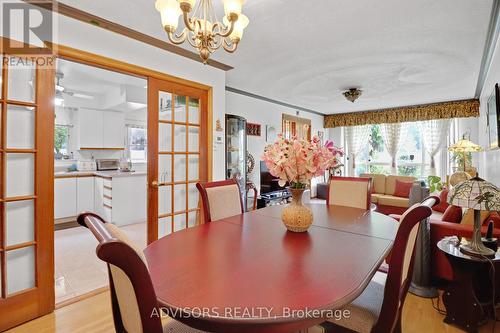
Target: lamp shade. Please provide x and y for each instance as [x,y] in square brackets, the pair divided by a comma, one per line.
[475,193]
[464,146]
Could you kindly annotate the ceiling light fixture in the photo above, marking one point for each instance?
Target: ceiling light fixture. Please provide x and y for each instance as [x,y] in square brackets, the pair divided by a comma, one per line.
[352,94]
[202,30]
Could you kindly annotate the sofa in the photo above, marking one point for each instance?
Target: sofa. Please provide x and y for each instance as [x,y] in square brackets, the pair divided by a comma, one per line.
[383,188]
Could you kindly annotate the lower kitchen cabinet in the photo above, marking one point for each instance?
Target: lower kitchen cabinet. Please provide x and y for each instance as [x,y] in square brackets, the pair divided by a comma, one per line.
[84,194]
[64,197]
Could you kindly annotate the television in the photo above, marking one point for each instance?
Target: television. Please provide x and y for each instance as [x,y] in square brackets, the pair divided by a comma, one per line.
[268,183]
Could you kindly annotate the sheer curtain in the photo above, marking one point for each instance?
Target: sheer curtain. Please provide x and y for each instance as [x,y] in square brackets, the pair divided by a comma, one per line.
[435,134]
[356,139]
[393,134]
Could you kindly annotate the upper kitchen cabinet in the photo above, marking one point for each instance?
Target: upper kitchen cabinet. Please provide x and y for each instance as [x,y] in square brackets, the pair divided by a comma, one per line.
[99,129]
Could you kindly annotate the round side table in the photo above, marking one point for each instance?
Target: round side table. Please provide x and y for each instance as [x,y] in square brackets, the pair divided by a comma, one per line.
[469,297]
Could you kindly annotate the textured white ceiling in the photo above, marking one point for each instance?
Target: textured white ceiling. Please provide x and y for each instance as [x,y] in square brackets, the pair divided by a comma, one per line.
[307,52]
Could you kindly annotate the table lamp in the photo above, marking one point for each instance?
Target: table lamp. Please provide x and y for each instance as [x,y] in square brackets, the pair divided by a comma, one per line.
[464,146]
[478,194]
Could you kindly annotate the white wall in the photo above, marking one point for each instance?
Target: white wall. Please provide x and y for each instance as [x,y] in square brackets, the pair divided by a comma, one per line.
[265,113]
[490,160]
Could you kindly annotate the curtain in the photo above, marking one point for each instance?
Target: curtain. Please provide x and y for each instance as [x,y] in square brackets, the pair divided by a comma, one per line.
[434,133]
[393,134]
[356,139]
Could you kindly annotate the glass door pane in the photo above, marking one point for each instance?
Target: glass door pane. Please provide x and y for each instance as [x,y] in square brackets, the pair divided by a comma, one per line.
[180,162]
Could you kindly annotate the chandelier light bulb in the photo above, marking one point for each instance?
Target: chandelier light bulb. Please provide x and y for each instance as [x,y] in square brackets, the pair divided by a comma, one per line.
[170,13]
[232,7]
[239,27]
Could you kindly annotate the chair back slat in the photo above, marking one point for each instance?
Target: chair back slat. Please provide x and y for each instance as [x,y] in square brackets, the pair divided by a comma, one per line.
[133,297]
[220,199]
[350,191]
[401,264]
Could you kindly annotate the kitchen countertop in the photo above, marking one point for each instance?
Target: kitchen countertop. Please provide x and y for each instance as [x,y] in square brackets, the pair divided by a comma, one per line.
[104,174]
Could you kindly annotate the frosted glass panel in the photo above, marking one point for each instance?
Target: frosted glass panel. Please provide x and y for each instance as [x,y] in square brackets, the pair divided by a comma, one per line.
[165,105]
[179,222]
[180,138]
[20,127]
[179,198]
[164,168]
[164,226]
[20,269]
[194,139]
[165,200]
[193,196]
[180,108]
[194,111]
[192,219]
[20,217]
[20,174]
[179,168]
[21,85]
[165,137]
[194,167]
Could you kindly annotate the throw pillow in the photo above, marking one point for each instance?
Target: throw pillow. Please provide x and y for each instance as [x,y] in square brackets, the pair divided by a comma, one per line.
[495,218]
[443,205]
[452,214]
[403,189]
[468,217]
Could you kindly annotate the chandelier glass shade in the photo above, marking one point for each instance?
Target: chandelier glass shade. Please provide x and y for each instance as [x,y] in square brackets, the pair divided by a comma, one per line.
[202,29]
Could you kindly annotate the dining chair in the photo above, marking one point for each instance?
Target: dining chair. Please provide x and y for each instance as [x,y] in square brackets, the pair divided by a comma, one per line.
[220,199]
[133,299]
[349,191]
[378,308]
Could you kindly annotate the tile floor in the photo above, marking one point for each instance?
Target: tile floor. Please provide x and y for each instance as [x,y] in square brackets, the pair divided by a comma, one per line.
[77,268]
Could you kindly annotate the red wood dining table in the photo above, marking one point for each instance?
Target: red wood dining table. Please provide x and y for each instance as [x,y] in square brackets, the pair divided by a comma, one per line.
[247,273]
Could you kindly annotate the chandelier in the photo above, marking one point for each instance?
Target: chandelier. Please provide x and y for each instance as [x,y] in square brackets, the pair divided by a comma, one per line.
[202,29]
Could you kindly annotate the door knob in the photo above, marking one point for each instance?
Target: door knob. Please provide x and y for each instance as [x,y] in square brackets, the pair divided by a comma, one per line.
[154,183]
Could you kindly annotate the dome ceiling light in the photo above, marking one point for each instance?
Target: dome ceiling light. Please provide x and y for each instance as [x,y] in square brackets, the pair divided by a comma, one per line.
[202,29]
[352,94]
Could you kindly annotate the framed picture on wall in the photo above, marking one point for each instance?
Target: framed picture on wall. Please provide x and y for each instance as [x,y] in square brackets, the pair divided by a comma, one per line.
[493,118]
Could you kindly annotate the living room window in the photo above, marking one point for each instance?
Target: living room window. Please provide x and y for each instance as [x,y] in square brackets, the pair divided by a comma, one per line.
[412,158]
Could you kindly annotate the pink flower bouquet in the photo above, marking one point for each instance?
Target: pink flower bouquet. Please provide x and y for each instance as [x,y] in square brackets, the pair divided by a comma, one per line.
[297,161]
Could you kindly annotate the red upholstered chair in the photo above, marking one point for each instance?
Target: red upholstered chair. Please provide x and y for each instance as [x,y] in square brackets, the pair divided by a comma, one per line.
[350,191]
[378,309]
[220,199]
[133,298]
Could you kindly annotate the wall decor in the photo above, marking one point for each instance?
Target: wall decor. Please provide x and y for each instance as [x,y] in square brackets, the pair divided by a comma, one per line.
[270,133]
[493,118]
[253,129]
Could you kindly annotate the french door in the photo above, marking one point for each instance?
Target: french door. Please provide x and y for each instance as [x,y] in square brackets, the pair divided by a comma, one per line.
[26,191]
[177,155]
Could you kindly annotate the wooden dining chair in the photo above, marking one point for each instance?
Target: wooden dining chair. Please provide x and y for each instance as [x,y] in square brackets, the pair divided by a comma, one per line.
[220,199]
[350,191]
[378,309]
[133,299]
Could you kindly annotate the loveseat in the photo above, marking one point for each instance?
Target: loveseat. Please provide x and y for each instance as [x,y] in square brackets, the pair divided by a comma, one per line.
[383,190]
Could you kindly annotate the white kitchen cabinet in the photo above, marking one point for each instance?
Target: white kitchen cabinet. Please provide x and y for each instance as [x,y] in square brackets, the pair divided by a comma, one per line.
[113,129]
[64,197]
[101,129]
[98,196]
[84,194]
[129,199]
[90,128]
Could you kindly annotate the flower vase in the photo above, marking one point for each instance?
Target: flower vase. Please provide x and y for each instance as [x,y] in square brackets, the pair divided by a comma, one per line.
[296,217]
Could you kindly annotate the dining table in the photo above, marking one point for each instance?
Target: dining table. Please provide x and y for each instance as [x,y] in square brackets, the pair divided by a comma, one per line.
[247,273]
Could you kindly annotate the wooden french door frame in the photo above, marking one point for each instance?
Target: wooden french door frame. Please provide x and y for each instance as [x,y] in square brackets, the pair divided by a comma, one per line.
[154,88]
[26,304]
[183,86]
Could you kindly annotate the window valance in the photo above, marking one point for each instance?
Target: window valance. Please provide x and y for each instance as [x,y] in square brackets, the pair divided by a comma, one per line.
[445,110]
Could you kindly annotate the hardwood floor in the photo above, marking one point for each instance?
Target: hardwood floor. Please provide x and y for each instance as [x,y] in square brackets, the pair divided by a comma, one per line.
[93,315]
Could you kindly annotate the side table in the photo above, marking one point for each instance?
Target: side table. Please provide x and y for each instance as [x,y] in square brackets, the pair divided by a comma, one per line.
[469,298]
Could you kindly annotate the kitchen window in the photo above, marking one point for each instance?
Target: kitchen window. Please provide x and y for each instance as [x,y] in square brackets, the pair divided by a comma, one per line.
[61,142]
[137,144]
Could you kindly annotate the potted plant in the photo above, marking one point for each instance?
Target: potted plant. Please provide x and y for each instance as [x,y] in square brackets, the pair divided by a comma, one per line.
[296,162]
[435,184]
